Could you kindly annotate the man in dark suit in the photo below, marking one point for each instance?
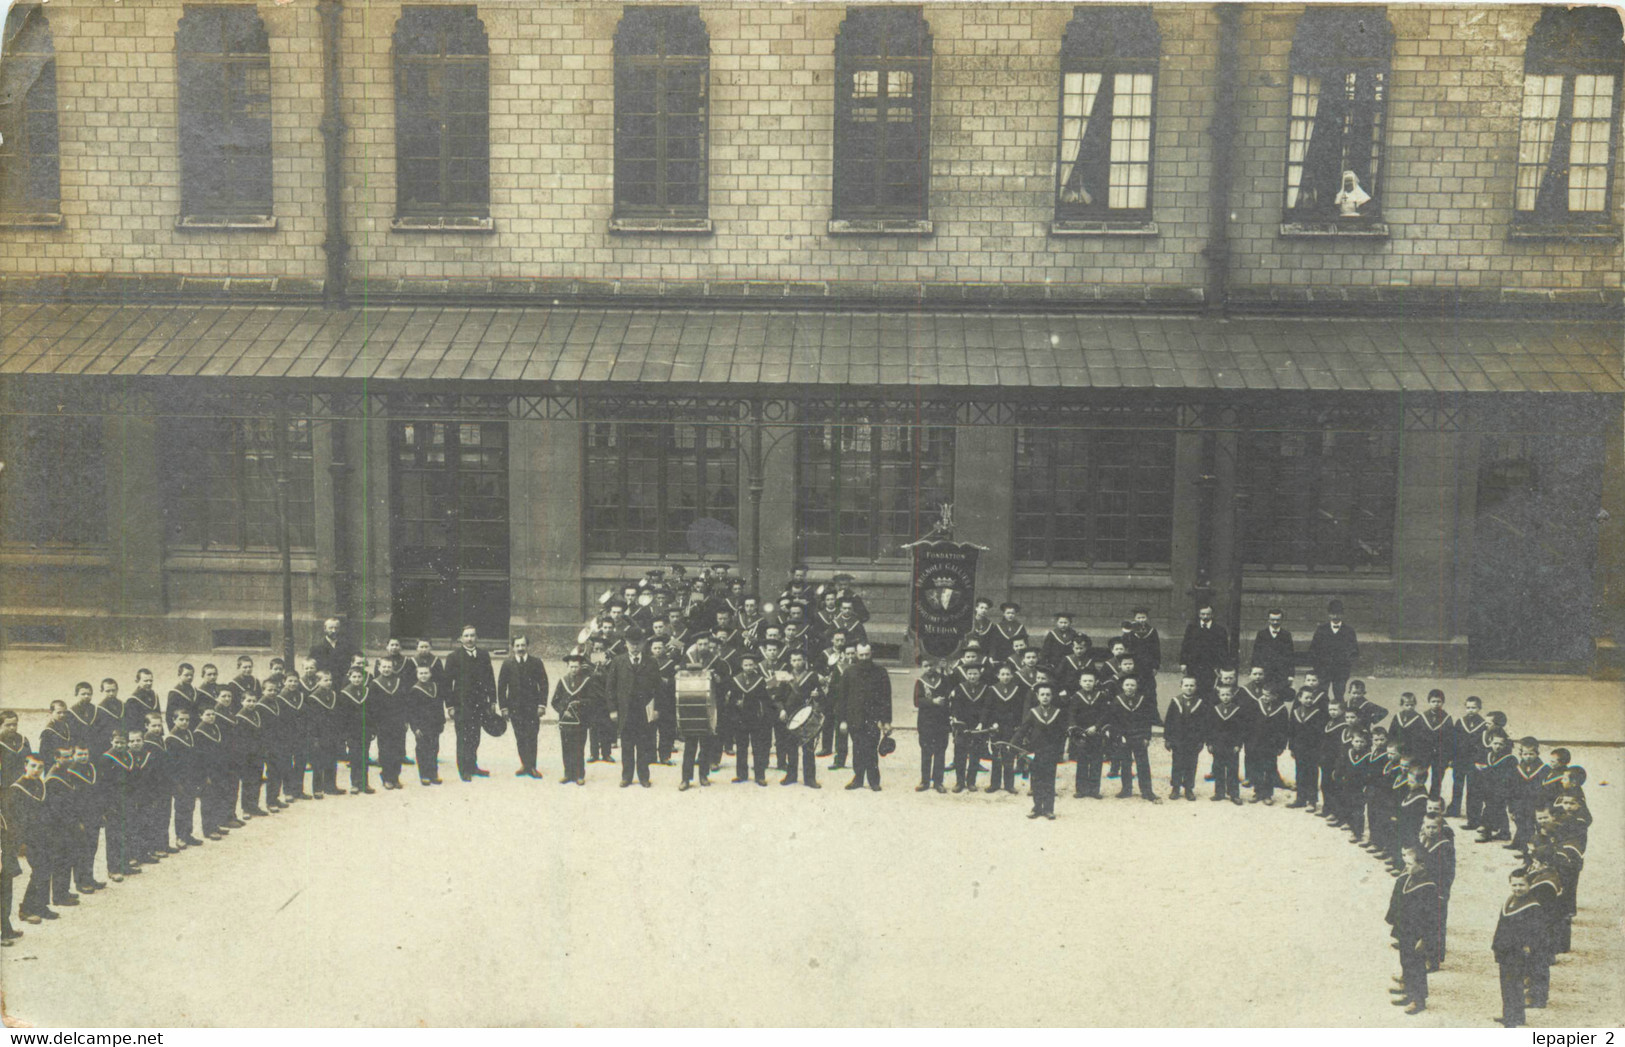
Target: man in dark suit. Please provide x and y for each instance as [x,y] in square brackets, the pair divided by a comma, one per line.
[634,683]
[473,690]
[1334,649]
[522,694]
[1205,650]
[866,689]
[331,653]
[1273,650]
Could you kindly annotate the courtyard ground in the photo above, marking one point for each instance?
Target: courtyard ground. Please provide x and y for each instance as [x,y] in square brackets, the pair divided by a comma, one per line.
[517,902]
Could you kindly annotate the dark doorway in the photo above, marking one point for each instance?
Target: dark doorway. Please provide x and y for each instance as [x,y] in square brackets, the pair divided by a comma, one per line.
[449,527]
[1535,551]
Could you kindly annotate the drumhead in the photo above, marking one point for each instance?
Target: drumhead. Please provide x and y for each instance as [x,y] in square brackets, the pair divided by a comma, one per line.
[801,717]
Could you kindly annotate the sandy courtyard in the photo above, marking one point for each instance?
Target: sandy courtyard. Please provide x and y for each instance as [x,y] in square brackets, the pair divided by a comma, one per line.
[512,902]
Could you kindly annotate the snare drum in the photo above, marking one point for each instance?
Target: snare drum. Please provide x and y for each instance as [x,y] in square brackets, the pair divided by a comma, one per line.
[805,725]
[696,704]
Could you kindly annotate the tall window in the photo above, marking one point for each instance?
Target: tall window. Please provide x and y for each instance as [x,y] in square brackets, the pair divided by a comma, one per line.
[1339,101]
[662,73]
[223,59]
[1322,487]
[864,490]
[30,173]
[882,114]
[220,482]
[53,489]
[1094,497]
[1108,84]
[660,490]
[1570,125]
[442,124]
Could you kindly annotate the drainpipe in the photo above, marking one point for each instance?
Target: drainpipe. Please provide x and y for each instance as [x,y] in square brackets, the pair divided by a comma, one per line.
[336,244]
[1221,141]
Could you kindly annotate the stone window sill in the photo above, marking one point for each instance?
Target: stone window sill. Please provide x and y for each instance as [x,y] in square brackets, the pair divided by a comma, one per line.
[234,223]
[879,227]
[26,220]
[251,562]
[1102,227]
[676,226]
[1362,229]
[442,224]
[49,556]
[1572,232]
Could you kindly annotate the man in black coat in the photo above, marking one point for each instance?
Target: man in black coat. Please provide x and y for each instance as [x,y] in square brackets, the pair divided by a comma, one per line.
[634,683]
[522,695]
[866,690]
[331,653]
[473,690]
[1333,650]
[1274,651]
[1205,650]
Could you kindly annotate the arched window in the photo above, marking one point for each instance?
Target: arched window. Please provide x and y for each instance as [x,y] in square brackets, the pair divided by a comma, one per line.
[442,119]
[662,73]
[30,175]
[882,115]
[1339,102]
[1108,87]
[223,60]
[1570,120]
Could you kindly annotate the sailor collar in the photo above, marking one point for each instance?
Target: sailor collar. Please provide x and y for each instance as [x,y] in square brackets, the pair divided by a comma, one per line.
[39,795]
[19,747]
[74,770]
[215,737]
[379,683]
[433,689]
[174,736]
[749,684]
[1227,714]
[564,682]
[1444,719]
[126,763]
[1038,714]
[1410,885]
[1139,700]
[356,697]
[1015,691]
[1400,716]
[327,703]
[1523,903]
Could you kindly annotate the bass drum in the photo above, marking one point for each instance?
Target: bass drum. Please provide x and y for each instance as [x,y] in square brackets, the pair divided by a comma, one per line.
[696,704]
[805,725]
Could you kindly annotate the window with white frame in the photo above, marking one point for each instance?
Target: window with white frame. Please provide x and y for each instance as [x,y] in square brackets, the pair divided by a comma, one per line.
[1108,90]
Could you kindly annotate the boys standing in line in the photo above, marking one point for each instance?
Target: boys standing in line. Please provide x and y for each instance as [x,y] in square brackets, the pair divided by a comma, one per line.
[1267,737]
[1304,740]
[1464,749]
[1184,733]
[1521,947]
[1133,716]
[1227,730]
[1044,729]
[1413,913]
[931,694]
[1091,711]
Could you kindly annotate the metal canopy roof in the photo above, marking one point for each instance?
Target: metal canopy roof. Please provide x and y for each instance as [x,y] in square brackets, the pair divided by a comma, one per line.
[902,349]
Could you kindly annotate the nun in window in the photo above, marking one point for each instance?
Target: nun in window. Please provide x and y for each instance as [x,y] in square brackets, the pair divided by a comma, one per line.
[1350,196]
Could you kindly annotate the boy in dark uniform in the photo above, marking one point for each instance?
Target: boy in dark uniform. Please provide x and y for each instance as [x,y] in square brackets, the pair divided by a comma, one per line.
[1413,805]
[30,825]
[1438,846]
[387,705]
[57,732]
[753,716]
[931,695]
[326,733]
[62,818]
[1061,641]
[804,689]
[667,655]
[1227,730]
[84,835]
[208,687]
[1492,778]
[1334,739]
[297,737]
[1184,734]
[1006,631]
[1304,733]
[1043,731]
[115,769]
[1091,725]
[1353,775]
[1440,729]
[1143,644]
[426,716]
[142,701]
[184,777]
[14,750]
[1413,913]
[1382,802]
[1266,740]
[1545,886]
[1464,750]
[967,711]
[981,626]
[237,738]
[182,696]
[273,758]
[1006,706]
[90,725]
[357,724]
[212,761]
[1133,717]
[1523,790]
[576,698]
[1520,946]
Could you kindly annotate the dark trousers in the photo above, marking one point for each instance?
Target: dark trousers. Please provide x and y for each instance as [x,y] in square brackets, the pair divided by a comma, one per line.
[1540,983]
[573,740]
[324,766]
[391,750]
[1514,973]
[1354,810]
[602,739]
[809,762]
[5,899]
[933,752]
[1413,969]
[1225,778]
[84,858]
[1523,824]
[968,750]
[1494,815]
[1261,771]
[185,809]
[293,781]
[1306,770]
[1003,772]
[117,826]
[467,725]
[1473,803]
[526,726]
[826,737]
[1135,752]
[637,750]
[210,820]
[1042,777]
[1089,752]
[1433,942]
[784,746]
[842,739]
[1184,775]
[1458,786]
[1336,681]
[866,753]
[276,770]
[748,738]
[1435,768]
[666,734]
[357,742]
[426,750]
[62,859]
[37,894]
[697,750]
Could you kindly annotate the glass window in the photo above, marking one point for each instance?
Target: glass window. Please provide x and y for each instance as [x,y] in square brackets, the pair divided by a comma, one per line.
[223,59]
[662,74]
[882,114]
[1108,88]
[1337,108]
[1321,489]
[30,172]
[1570,116]
[655,489]
[865,490]
[442,147]
[1094,497]
[220,483]
[53,487]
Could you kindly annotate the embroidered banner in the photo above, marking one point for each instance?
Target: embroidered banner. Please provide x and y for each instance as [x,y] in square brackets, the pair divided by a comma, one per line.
[944,596]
